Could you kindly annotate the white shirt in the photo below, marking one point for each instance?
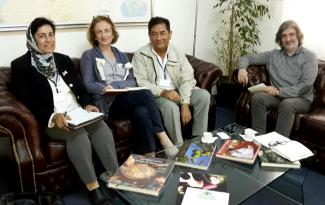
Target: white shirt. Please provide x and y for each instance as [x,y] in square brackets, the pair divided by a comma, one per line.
[164,82]
[63,98]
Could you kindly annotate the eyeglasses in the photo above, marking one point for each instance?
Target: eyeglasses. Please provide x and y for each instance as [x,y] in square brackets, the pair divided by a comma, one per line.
[276,143]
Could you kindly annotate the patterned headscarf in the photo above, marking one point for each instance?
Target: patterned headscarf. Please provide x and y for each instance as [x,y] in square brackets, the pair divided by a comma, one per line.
[44,63]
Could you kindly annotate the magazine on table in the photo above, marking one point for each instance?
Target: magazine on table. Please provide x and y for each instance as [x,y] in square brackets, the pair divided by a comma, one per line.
[142,174]
[203,181]
[287,148]
[239,150]
[81,117]
[195,154]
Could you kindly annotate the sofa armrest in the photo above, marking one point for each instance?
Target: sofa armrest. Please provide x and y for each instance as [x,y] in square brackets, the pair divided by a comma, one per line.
[206,74]
[20,125]
[256,74]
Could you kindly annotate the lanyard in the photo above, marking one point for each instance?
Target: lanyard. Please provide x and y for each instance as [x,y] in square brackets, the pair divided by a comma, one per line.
[163,67]
[56,82]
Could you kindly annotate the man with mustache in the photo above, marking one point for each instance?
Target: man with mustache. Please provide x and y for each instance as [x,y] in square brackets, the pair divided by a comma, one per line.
[292,70]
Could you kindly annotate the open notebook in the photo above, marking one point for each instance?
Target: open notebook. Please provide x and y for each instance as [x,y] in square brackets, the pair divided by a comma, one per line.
[283,146]
[81,117]
[122,90]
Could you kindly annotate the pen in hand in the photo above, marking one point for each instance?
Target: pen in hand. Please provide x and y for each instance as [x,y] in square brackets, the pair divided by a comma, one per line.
[100,84]
[65,113]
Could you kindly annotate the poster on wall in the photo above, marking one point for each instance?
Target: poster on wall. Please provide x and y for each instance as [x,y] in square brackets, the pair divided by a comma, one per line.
[126,11]
[17,14]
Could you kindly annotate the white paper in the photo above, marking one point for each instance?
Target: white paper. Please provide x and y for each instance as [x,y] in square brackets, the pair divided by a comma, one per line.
[257,88]
[289,149]
[204,197]
[80,115]
[223,135]
[118,90]
[136,88]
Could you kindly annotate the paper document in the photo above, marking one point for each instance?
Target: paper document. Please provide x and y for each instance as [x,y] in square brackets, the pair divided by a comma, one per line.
[289,149]
[257,88]
[124,89]
[81,117]
[206,197]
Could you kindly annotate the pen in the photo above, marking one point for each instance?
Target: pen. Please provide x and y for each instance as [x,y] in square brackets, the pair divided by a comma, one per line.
[100,84]
[65,113]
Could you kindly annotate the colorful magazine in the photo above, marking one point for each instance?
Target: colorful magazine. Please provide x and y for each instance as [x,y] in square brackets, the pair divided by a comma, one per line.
[239,150]
[195,154]
[204,181]
[141,174]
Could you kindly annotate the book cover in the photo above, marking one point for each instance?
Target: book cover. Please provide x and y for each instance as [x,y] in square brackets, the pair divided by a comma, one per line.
[81,117]
[195,154]
[202,181]
[239,150]
[287,148]
[269,158]
[141,174]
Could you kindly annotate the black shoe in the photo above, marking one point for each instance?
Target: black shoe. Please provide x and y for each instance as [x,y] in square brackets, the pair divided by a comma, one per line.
[98,197]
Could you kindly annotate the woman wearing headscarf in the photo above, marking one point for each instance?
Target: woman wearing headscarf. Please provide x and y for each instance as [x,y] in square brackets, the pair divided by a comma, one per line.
[46,82]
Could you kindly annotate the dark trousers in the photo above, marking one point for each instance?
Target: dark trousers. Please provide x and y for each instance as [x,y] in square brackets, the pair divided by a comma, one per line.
[140,107]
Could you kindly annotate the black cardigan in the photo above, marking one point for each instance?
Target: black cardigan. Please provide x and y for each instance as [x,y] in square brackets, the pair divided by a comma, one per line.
[34,90]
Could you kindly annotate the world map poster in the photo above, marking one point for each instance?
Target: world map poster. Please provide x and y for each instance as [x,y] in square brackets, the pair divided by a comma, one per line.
[19,13]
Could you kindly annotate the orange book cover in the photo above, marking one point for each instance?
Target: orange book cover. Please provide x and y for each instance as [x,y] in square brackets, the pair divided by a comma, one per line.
[239,150]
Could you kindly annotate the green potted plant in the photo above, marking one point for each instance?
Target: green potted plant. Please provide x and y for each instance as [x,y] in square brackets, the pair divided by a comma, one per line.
[239,32]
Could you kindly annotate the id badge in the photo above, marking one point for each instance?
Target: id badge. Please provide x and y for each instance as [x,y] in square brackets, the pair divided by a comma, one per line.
[164,82]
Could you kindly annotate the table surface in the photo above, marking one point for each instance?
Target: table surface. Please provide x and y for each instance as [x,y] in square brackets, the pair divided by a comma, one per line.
[242,180]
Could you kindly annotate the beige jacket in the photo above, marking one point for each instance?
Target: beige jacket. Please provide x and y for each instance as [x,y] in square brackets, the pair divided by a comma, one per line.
[145,68]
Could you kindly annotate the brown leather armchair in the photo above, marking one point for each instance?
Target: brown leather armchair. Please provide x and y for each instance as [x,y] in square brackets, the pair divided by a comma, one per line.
[41,164]
[308,128]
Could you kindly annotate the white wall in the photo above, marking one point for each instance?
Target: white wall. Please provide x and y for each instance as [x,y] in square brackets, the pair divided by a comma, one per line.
[73,41]
[181,14]
[69,41]
[310,17]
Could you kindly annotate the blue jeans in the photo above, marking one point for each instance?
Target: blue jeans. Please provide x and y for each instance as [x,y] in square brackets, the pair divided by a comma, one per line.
[140,107]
